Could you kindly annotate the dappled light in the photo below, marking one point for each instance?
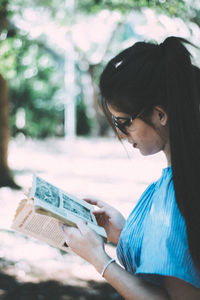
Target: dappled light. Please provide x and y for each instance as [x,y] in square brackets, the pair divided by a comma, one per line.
[98,168]
[51,56]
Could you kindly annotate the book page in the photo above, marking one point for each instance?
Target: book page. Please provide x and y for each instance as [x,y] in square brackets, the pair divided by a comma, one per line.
[52,201]
[41,227]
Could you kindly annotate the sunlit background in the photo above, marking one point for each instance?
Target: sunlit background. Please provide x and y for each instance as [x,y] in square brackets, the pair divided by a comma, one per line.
[51,56]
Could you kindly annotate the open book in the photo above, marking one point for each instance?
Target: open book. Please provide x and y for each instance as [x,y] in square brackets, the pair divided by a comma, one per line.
[39,214]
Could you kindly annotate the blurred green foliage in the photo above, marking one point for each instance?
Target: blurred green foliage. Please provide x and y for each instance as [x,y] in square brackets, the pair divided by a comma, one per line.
[36,88]
[35,72]
[171,7]
[35,75]
[36,85]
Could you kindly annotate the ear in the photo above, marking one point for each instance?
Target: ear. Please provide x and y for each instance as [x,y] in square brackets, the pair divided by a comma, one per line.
[160,115]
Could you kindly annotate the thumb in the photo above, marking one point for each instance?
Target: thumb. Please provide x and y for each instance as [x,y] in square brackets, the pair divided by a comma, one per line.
[63,227]
[82,226]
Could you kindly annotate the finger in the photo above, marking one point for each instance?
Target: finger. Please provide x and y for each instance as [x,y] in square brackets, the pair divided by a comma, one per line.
[69,231]
[95,202]
[100,220]
[100,211]
[83,227]
[91,201]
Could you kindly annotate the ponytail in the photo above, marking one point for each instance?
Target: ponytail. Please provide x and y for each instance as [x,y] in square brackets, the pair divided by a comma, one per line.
[182,98]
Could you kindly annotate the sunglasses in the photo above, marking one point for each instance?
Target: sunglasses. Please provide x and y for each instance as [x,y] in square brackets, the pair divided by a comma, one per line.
[122,123]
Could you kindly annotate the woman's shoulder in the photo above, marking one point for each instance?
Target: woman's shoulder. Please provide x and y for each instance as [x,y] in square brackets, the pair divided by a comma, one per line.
[163,186]
[153,190]
[164,213]
[165,237]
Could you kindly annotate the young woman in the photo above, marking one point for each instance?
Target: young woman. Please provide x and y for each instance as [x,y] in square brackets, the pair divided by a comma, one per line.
[151,94]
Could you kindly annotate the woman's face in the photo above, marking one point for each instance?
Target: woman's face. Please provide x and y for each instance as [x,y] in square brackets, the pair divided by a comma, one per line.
[147,139]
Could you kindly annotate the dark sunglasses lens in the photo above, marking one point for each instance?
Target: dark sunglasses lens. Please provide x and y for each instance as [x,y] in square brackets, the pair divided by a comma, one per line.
[121,126]
[122,129]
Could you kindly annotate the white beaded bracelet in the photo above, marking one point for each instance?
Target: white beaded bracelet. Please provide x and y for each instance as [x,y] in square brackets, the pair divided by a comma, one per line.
[106,265]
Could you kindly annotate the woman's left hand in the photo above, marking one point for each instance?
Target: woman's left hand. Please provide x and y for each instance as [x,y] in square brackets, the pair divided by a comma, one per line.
[84,241]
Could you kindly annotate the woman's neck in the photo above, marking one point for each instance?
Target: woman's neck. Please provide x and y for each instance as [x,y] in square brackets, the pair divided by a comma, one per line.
[167,152]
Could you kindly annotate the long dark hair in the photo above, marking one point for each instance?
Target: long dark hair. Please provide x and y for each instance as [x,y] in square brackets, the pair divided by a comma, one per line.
[146,75]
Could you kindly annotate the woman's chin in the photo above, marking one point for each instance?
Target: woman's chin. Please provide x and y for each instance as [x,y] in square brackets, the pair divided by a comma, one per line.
[146,152]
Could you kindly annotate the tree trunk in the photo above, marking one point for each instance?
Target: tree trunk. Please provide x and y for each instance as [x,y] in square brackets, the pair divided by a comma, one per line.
[5,174]
[6,178]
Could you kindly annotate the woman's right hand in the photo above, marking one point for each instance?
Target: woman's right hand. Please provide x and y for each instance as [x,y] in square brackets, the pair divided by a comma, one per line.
[109,218]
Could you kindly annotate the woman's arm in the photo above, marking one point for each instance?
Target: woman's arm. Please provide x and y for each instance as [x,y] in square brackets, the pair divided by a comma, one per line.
[129,286]
[87,244]
[179,289]
[134,288]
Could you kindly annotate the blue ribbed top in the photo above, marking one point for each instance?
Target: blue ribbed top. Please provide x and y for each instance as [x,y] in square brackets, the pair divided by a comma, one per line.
[153,241]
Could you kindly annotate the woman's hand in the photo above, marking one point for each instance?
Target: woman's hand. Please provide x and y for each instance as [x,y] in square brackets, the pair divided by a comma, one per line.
[84,241]
[109,218]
